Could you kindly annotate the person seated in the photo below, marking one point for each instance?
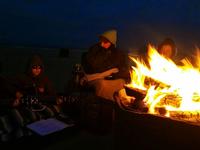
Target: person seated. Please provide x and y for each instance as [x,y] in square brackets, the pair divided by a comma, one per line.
[35,96]
[106,67]
[106,70]
[167,48]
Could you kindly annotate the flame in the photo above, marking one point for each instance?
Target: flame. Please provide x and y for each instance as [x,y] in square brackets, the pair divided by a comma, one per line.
[174,87]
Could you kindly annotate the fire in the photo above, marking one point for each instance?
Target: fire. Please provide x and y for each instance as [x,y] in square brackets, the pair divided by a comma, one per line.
[176,88]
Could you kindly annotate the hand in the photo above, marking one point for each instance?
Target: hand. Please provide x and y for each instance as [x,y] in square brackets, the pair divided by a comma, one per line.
[41,89]
[18,95]
[16,103]
[83,80]
[59,100]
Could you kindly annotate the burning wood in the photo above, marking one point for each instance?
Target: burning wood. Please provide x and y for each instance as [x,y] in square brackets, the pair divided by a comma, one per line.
[160,110]
[165,86]
[139,95]
[196,98]
[153,82]
[171,100]
[193,116]
[135,92]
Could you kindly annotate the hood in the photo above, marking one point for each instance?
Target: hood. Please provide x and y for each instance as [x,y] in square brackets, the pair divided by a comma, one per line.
[35,60]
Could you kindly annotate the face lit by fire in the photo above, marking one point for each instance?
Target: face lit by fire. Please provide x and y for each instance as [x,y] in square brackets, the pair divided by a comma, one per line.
[36,70]
[104,42]
[166,51]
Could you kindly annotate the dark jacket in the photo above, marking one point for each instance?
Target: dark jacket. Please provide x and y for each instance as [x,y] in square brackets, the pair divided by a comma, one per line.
[99,59]
[29,85]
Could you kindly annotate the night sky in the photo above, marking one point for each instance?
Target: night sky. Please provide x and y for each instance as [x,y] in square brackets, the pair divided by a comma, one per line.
[77,23]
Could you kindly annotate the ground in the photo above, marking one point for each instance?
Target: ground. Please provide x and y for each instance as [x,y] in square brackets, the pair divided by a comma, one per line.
[68,139]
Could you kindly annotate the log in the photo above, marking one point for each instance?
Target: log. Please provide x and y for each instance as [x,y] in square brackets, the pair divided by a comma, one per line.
[192,116]
[172,100]
[150,81]
[135,92]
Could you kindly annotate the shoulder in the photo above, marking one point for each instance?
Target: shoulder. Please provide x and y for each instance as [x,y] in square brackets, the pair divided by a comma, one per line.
[22,76]
[95,46]
[94,50]
[120,51]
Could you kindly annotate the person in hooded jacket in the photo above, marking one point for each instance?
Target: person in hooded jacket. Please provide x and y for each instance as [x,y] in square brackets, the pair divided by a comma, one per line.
[35,96]
[35,82]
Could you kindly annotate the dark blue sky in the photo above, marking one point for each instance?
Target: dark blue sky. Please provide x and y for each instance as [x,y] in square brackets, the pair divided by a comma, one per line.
[76,24]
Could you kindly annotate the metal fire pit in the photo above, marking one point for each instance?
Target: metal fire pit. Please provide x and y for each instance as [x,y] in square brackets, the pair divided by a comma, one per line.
[134,129]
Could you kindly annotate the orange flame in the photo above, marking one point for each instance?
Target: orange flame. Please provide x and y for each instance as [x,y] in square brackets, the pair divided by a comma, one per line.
[163,79]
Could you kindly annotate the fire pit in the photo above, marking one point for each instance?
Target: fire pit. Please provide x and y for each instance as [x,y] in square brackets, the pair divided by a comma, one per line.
[134,129]
[160,108]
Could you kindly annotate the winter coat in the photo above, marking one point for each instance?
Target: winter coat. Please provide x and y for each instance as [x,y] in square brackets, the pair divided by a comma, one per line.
[99,59]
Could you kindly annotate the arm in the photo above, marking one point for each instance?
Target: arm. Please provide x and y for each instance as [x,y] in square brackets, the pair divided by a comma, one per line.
[95,76]
[101,75]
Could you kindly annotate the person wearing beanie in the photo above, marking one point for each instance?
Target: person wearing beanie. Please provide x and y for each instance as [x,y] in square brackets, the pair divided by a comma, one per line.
[106,67]
[106,71]
[110,35]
